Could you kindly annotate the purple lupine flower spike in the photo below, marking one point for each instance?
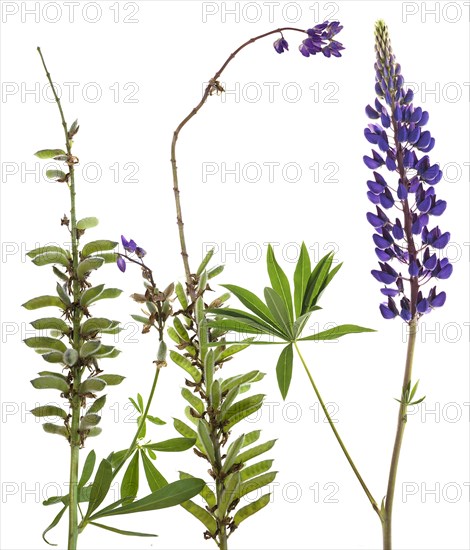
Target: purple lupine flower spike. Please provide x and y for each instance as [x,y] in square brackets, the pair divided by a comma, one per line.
[408,187]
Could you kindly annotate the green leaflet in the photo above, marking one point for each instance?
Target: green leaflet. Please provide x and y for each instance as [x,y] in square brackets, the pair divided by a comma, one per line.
[101,485]
[155,479]
[315,281]
[121,531]
[337,332]
[301,276]
[130,481]
[279,311]
[54,522]
[170,495]
[252,302]
[279,282]
[284,369]
[88,468]
[251,509]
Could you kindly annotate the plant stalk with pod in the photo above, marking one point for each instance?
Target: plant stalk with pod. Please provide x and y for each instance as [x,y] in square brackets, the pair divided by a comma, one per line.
[81,355]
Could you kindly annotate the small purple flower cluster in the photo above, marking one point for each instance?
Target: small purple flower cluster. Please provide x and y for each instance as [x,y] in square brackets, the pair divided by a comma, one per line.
[129,246]
[320,39]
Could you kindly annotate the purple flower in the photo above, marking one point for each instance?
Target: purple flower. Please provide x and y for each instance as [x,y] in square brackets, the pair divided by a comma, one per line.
[130,246]
[281,44]
[121,263]
[320,39]
[400,145]
[140,252]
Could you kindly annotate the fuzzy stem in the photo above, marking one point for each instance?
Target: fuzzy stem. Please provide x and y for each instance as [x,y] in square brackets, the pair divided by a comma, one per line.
[387,523]
[338,438]
[212,86]
[75,403]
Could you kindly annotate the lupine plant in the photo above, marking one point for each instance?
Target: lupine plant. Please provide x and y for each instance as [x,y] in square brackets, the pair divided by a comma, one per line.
[72,342]
[402,238]
[214,404]
[408,247]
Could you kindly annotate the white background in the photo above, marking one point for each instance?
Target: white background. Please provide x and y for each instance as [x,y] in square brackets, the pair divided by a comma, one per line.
[168,53]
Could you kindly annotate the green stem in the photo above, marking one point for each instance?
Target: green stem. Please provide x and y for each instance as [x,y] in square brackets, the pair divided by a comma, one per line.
[387,523]
[338,438]
[140,425]
[74,399]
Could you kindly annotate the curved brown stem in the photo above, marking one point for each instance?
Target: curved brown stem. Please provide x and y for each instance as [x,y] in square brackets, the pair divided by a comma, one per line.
[213,86]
